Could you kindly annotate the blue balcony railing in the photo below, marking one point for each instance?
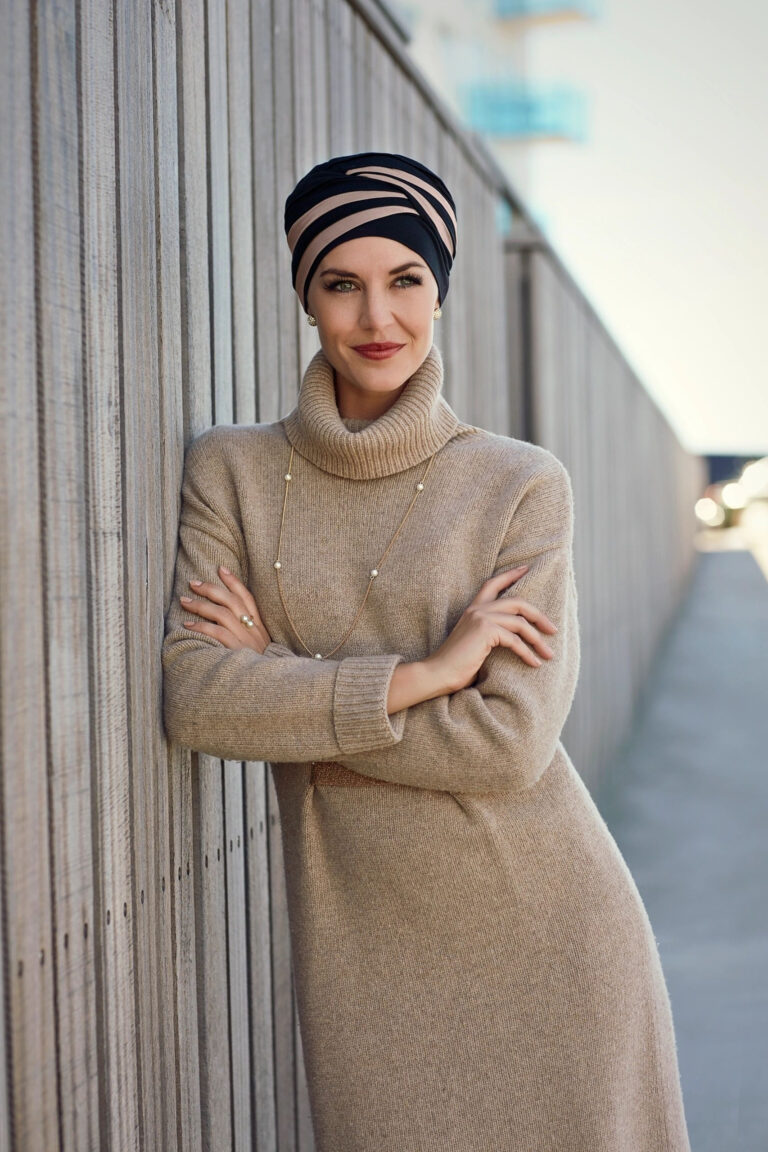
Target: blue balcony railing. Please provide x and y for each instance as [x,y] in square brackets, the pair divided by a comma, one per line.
[507,108]
[545,9]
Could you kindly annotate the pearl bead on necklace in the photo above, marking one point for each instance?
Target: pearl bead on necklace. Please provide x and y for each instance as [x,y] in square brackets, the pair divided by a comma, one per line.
[374,572]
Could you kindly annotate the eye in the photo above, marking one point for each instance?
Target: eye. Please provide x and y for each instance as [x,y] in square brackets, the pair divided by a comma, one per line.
[338,285]
[335,284]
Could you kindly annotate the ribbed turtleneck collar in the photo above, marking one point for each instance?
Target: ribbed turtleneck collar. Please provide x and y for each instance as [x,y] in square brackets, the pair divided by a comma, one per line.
[419,423]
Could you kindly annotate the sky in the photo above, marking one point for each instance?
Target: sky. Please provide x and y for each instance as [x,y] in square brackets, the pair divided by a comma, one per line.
[661,215]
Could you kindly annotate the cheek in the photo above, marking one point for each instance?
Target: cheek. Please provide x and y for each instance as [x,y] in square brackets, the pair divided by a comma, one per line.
[336,313]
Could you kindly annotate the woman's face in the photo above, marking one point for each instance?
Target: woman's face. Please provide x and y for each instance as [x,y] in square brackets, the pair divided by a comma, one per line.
[373,290]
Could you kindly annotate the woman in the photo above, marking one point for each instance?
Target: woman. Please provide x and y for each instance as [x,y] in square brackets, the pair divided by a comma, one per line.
[383,606]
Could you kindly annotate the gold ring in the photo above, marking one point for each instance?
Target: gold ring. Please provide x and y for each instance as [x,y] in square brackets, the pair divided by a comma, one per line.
[247,620]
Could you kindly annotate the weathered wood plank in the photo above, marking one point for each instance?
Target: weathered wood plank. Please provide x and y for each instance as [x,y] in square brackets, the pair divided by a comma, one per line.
[282,982]
[241,209]
[194,252]
[183,864]
[215,1065]
[144,568]
[360,68]
[340,89]
[237,952]
[320,124]
[306,156]
[65,576]
[116,1056]
[260,957]
[283,298]
[31,1089]
[219,219]
[382,128]
[267,218]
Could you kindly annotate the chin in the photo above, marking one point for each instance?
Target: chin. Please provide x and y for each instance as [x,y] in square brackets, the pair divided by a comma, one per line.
[377,380]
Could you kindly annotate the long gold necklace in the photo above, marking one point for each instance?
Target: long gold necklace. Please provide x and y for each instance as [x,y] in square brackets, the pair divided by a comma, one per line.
[374,572]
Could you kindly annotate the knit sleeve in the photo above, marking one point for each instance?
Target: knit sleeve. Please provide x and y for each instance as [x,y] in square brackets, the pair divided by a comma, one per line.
[501,732]
[246,705]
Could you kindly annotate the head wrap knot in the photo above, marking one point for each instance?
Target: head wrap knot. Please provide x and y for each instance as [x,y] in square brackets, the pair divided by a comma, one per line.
[370,194]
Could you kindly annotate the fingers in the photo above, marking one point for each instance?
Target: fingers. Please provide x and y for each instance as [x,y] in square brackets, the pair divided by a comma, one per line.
[223,626]
[490,594]
[519,626]
[524,608]
[240,590]
[493,586]
[513,641]
[216,612]
[228,598]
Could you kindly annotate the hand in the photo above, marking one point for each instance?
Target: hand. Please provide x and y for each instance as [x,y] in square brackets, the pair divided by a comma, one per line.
[486,623]
[223,608]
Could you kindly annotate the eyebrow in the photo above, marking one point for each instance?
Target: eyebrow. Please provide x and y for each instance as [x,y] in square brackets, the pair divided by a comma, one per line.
[400,268]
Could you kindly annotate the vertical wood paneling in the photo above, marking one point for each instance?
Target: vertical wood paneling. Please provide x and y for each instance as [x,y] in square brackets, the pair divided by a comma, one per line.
[28,1013]
[187,885]
[219,222]
[363,113]
[306,153]
[175,792]
[283,165]
[215,1067]
[320,120]
[113,1009]
[63,493]
[267,220]
[144,570]
[193,217]
[383,126]
[592,412]
[340,87]
[282,979]
[178,817]
[241,211]
[237,951]
[260,958]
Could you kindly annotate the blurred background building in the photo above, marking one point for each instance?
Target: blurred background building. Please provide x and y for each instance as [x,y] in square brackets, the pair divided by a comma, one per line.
[476,54]
[631,129]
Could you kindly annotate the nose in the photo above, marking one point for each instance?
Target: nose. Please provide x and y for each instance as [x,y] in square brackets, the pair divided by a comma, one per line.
[375,311]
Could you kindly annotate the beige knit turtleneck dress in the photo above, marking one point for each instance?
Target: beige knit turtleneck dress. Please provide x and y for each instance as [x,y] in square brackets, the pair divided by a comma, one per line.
[475,969]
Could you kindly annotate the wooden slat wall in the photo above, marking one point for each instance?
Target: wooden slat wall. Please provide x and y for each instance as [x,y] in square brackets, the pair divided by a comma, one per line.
[147,150]
[634,490]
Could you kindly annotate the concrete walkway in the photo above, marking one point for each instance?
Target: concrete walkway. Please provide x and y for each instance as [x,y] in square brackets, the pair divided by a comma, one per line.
[687,803]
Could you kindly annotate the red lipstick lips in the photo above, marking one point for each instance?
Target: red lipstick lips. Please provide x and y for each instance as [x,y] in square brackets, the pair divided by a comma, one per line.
[378,351]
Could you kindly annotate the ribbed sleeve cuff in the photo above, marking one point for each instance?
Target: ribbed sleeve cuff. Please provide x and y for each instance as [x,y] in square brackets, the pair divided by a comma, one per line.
[360,716]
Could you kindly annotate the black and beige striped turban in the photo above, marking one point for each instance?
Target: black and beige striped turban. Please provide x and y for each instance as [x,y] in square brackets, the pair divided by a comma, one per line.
[370,194]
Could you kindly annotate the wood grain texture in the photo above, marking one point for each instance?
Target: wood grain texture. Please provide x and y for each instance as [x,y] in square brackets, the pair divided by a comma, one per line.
[139,326]
[28,1022]
[114,1006]
[61,413]
[282,981]
[634,487]
[260,957]
[212,958]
